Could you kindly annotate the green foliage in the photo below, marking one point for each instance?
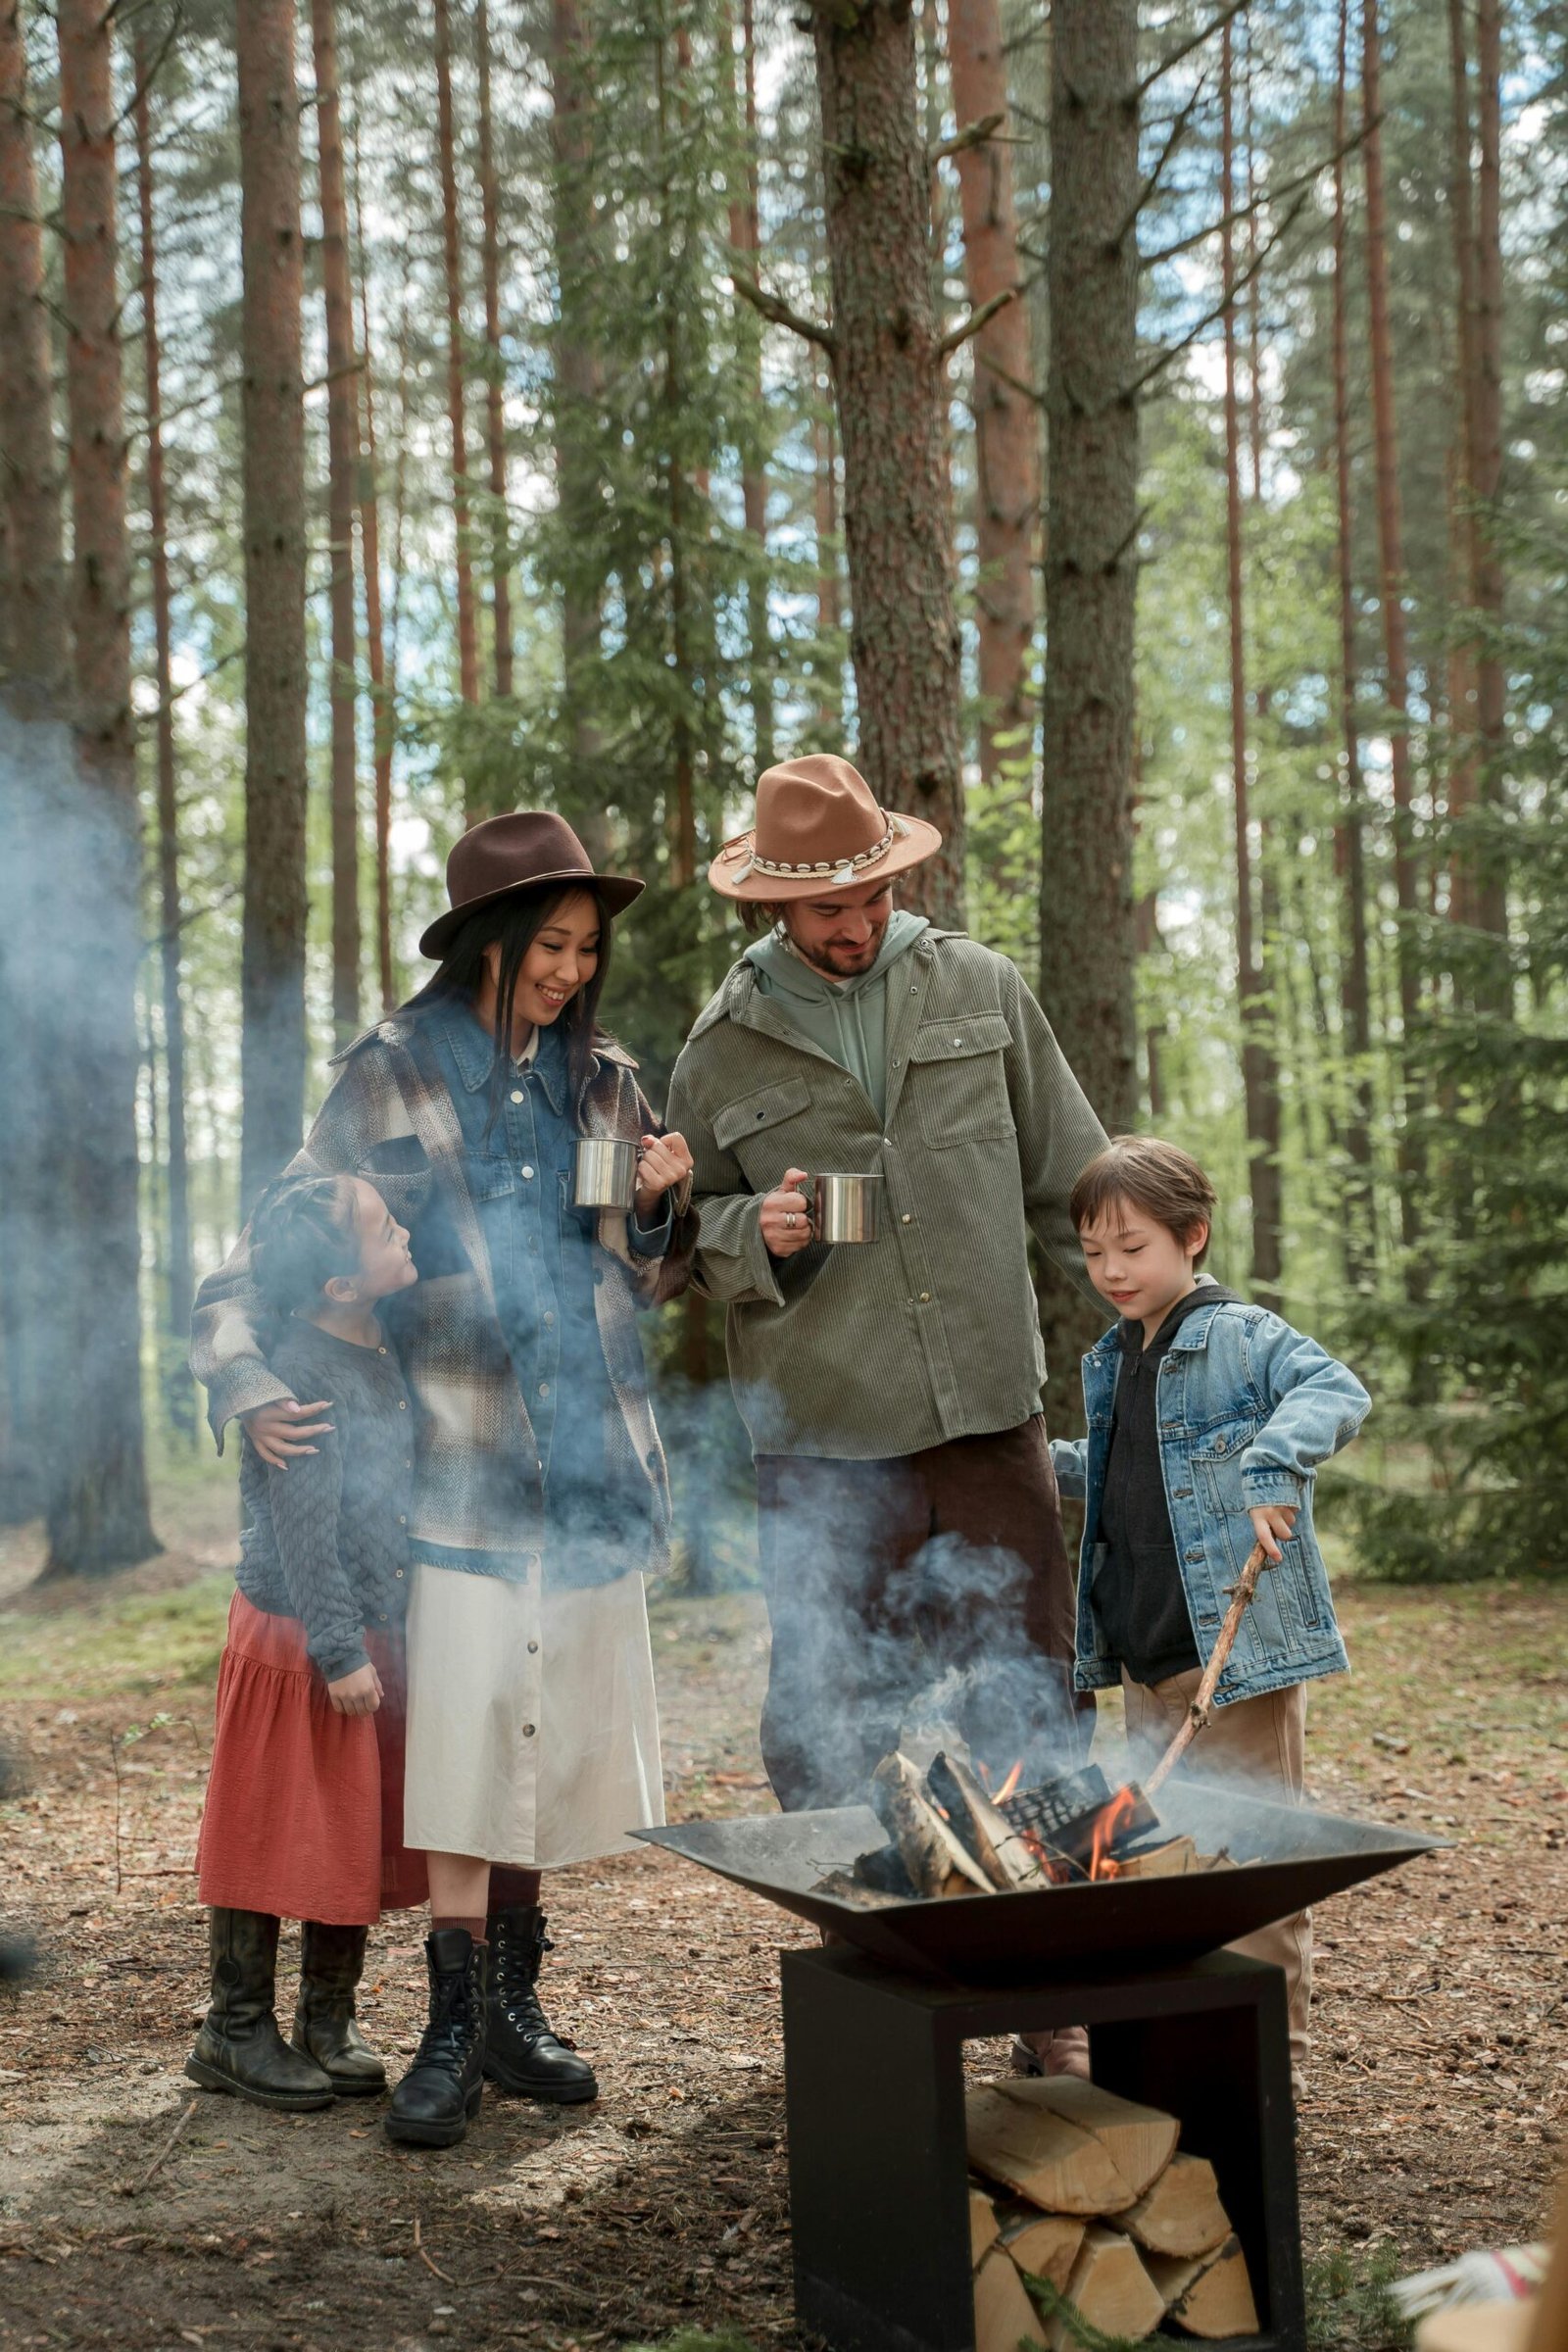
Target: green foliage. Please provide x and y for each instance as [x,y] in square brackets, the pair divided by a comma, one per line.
[1348,2306]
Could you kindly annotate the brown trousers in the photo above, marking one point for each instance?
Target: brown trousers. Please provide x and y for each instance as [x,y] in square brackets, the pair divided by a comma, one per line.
[1261,1744]
[933,1586]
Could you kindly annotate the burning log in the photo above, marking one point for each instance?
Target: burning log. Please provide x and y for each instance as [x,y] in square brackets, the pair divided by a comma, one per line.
[937,1861]
[1212,2296]
[986,1831]
[1180,2215]
[1067,2145]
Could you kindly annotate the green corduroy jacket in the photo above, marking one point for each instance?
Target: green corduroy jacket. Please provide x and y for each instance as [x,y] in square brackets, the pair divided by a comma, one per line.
[931,1331]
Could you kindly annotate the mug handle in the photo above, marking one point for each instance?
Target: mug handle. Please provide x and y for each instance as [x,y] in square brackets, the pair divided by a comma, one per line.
[808,1186]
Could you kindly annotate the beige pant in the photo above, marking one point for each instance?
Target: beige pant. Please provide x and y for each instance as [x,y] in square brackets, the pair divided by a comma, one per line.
[1261,1741]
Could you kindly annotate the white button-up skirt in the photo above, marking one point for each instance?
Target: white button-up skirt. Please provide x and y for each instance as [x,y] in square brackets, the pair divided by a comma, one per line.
[533,1729]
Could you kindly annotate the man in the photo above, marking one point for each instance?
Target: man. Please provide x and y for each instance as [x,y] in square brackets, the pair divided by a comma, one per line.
[910,1535]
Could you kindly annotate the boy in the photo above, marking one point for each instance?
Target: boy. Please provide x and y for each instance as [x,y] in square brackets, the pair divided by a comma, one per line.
[1176,1495]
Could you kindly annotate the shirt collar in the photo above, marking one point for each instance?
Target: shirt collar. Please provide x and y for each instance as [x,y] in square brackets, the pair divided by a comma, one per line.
[474,1053]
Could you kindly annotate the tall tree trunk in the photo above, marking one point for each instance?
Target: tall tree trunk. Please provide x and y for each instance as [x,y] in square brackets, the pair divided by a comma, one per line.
[495,382]
[178,1392]
[1260,1078]
[1086,897]
[1491,900]
[829,601]
[1462,657]
[343,463]
[745,234]
[577,388]
[1390,525]
[384,715]
[1355,995]
[97,1511]
[272,955]
[457,359]
[35,749]
[887,370]
[1006,425]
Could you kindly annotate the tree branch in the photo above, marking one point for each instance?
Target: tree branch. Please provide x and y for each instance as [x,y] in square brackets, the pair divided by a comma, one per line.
[1243,212]
[959,335]
[1146,192]
[1029,391]
[1185,49]
[973,135]
[810,331]
[1163,359]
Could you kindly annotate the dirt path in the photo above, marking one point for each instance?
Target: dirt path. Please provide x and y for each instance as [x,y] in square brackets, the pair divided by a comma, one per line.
[1435,2119]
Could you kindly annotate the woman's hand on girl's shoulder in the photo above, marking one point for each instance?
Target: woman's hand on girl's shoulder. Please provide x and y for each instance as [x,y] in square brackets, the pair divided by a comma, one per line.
[278,1430]
[666,1160]
[357,1693]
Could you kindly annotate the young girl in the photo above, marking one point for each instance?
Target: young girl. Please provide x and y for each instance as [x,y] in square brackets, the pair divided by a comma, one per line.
[304,1803]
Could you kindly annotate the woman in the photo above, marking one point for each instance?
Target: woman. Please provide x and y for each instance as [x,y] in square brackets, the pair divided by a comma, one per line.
[540,1494]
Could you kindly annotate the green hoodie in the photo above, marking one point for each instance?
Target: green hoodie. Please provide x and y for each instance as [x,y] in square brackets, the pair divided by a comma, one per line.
[847,1018]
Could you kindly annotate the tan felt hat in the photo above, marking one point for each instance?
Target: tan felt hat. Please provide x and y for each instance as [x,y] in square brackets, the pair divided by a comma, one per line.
[819,828]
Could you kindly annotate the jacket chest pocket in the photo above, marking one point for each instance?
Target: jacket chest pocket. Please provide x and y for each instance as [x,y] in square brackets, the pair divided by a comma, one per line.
[764,1129]
[958,1079]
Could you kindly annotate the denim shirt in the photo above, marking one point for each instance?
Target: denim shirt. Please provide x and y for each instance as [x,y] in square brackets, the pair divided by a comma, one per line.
[543,1264]
[1247,1410]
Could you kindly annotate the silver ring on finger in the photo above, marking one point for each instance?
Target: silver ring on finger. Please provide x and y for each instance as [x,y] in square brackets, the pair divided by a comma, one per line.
[789,1219]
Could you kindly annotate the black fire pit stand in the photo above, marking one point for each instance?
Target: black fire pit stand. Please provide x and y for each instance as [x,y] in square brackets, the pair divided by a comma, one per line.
[874,2087]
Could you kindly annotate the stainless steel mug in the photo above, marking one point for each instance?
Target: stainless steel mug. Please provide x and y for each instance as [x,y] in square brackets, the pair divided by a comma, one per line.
[844,1208]
[606,1175]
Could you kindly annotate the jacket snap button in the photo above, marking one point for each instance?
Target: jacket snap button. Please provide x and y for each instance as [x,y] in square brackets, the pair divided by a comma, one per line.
[907,1218]
[957,1041]
[527,1171]
[533,1649]
[516,1093]
[403,1404]
[926,1297]
[398,1573]
[528,1731]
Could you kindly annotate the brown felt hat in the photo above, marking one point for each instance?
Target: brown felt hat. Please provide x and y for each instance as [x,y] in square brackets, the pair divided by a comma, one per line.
[818,827]
[508,854]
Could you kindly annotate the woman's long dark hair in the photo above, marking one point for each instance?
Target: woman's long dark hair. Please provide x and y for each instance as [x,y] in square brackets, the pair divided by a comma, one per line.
[512,924]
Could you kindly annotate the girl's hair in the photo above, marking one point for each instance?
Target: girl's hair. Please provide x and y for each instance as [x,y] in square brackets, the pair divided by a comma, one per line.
[1162,1179]
[512,924]
[302,1235]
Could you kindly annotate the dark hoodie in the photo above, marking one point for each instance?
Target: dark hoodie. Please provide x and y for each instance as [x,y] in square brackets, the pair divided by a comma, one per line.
[1139,1596]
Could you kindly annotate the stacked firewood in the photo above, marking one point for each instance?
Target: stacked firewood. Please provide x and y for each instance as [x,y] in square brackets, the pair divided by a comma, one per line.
[1088,2193]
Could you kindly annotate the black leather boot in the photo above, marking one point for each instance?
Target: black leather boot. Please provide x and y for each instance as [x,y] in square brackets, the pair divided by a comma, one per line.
[331,1963]
[439,2095]
[239,2048]
[522,2052]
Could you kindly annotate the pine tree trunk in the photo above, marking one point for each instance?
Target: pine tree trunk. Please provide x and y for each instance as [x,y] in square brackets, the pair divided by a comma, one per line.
[1491,902]
[1086,899]
[1006,422]
[1260,1078]
[829,601]
[577,387]
[35,747]
[178,1392]
[495,396]
[745,234]
[272,955]
[1355,997]
[1391,590]
[886,368]
[384,715]
[97,1511]
[1462,681]
[343,463]
[457,359]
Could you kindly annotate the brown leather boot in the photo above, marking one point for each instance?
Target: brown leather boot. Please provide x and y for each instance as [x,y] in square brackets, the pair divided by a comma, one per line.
[331,1963]
[239,2048]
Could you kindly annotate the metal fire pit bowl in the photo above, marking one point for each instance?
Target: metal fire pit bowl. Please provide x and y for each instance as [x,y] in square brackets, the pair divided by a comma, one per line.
[1288,1856]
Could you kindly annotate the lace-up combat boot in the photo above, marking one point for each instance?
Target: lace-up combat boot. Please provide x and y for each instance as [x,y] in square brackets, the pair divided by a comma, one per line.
[331,1963]
[522,2053]
[439,2096]
[239,2048]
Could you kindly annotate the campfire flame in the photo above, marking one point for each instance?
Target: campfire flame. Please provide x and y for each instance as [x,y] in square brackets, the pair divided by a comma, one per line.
[1107,1829]
[1010,1784]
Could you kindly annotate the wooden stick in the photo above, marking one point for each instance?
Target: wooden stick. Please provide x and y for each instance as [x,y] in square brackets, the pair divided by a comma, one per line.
[1197,1713]
[434,2268]
[133,2188]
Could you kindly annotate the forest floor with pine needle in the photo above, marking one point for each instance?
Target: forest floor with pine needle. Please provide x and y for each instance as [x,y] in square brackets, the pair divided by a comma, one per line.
[1436,2120]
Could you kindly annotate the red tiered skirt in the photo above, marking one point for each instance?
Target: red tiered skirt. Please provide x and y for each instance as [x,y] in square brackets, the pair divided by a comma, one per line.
[304,1814]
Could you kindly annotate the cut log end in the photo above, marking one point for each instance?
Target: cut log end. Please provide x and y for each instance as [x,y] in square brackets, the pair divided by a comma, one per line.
[1210,2296]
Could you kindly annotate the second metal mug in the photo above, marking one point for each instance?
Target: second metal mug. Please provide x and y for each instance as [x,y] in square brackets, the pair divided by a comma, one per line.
[606,1173]
[844,1208]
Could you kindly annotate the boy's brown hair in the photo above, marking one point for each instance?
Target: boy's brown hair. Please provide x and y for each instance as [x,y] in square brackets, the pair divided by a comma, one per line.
[1162,1179]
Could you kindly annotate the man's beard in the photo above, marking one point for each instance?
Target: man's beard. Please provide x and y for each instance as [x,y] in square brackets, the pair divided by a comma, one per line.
[840,963]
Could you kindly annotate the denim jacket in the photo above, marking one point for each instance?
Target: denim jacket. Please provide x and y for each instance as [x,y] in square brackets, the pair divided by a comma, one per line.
[1248,1409]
